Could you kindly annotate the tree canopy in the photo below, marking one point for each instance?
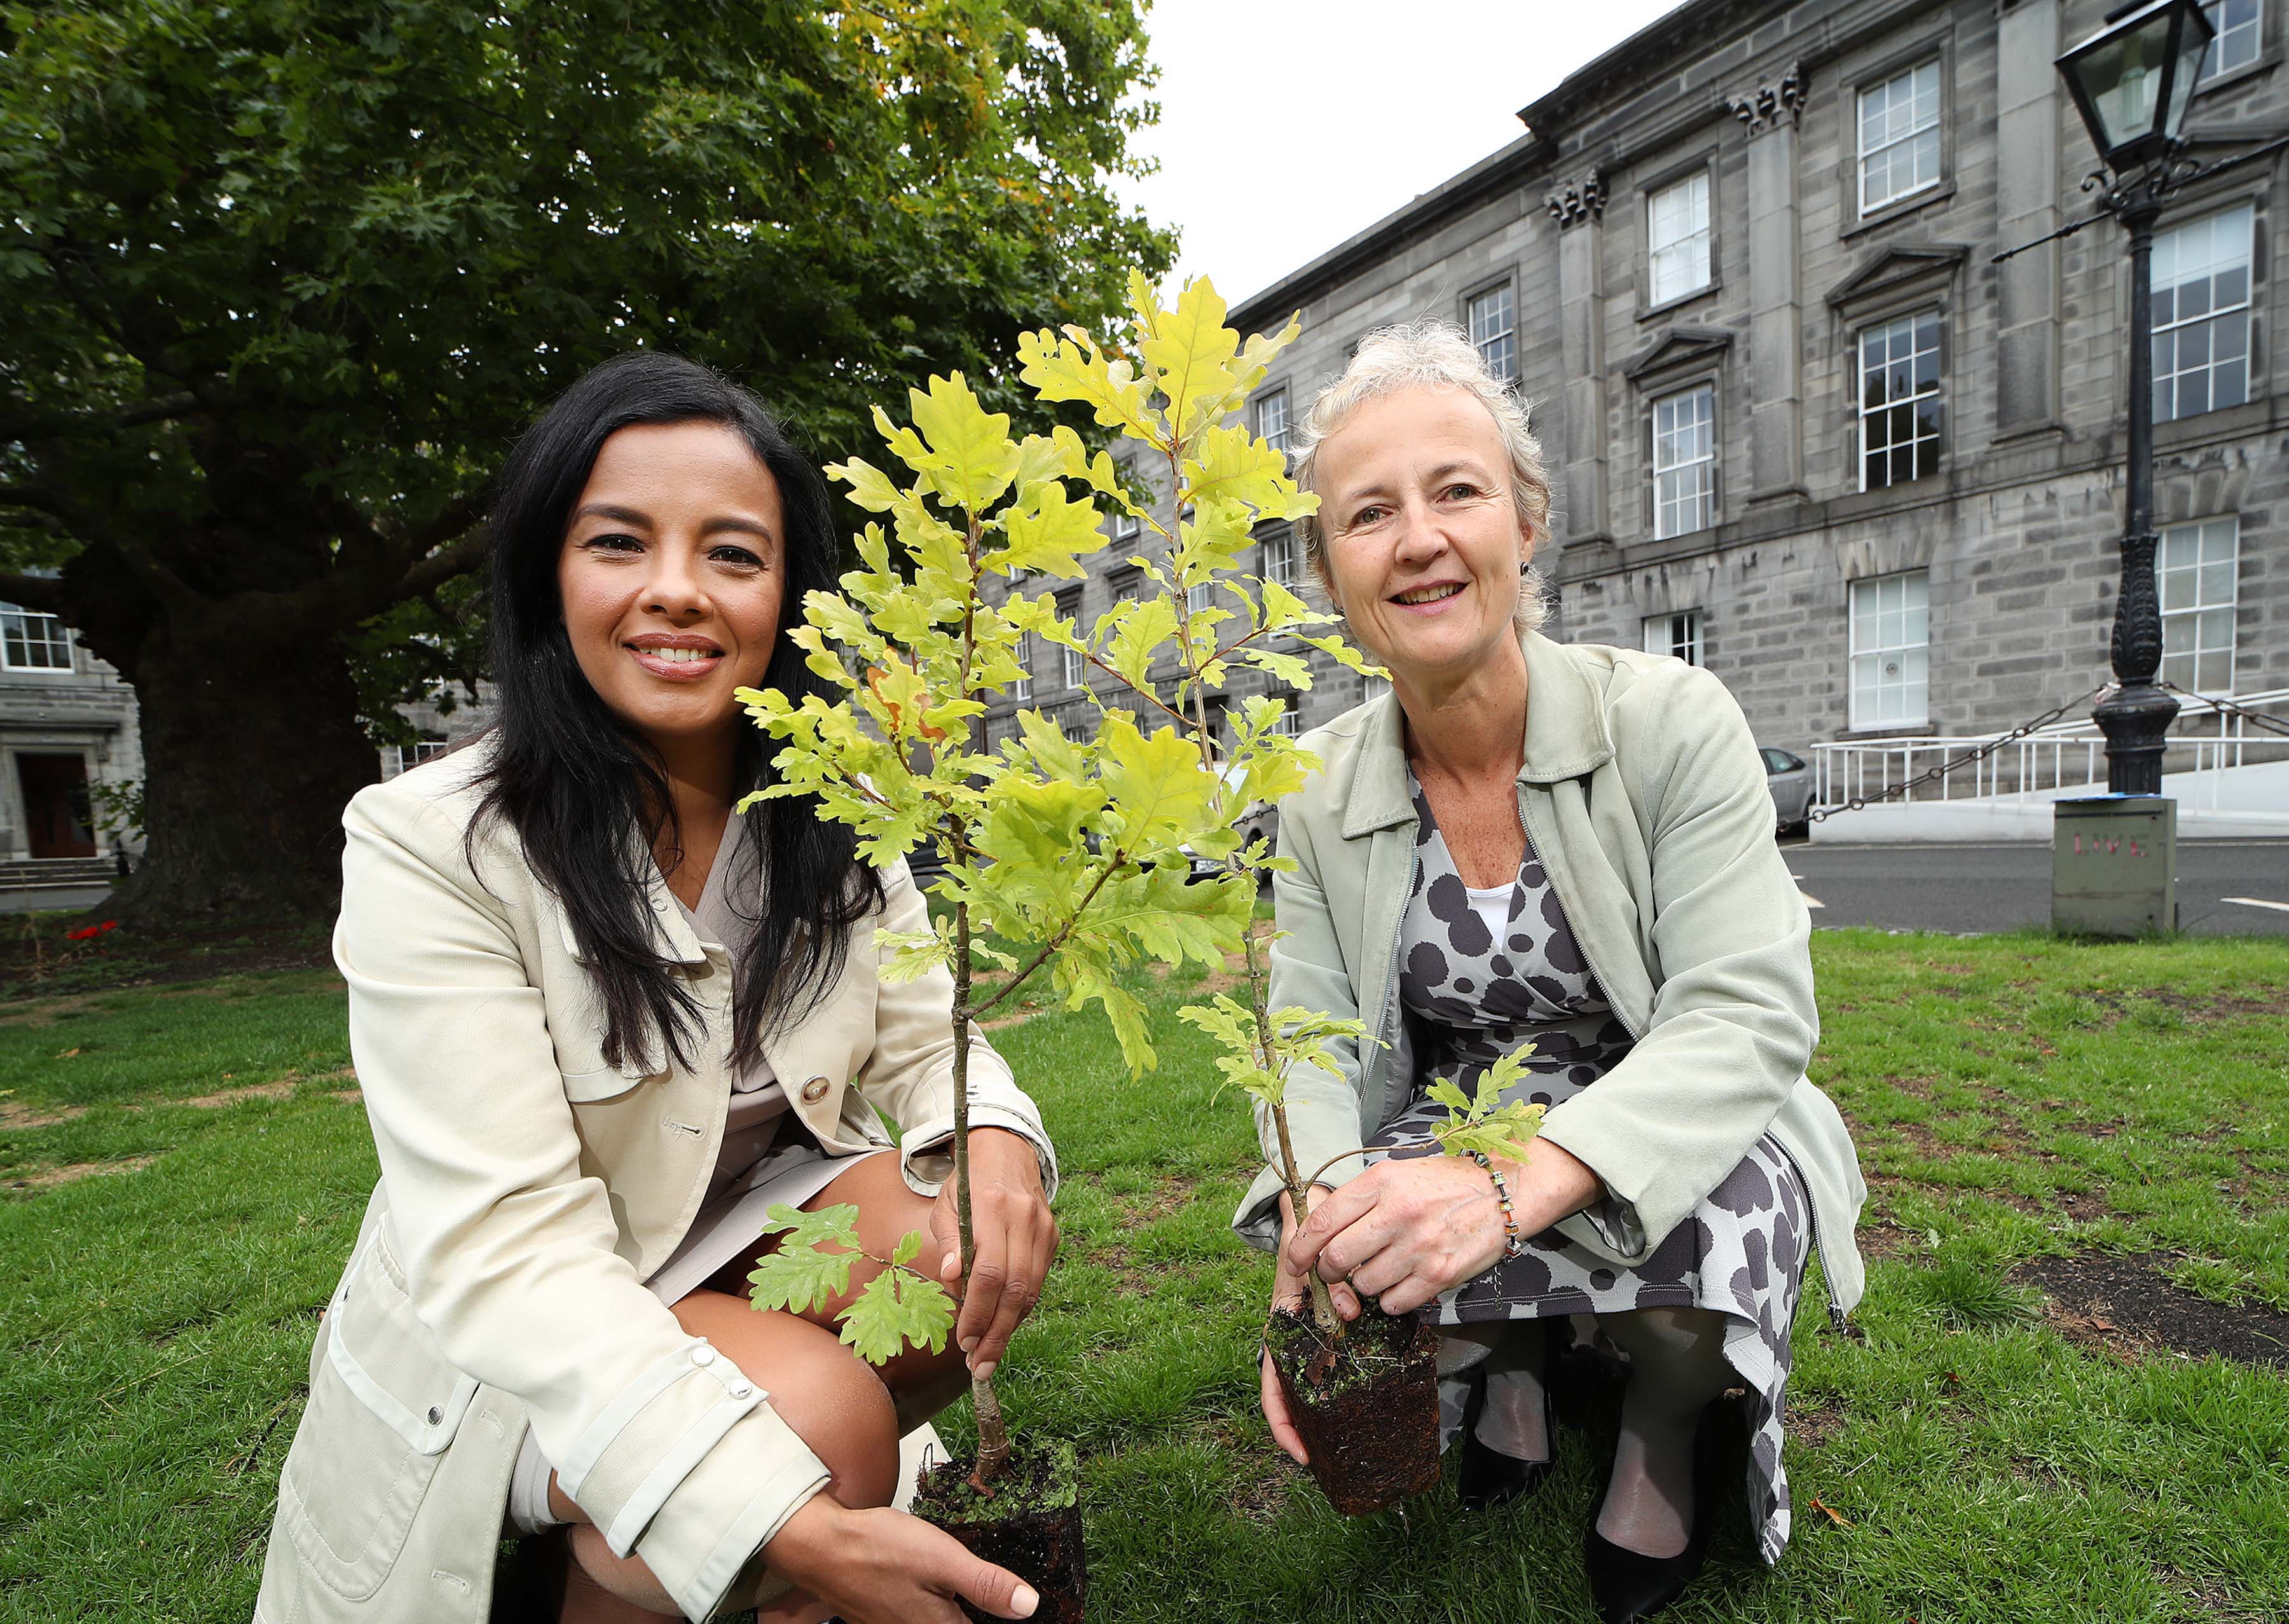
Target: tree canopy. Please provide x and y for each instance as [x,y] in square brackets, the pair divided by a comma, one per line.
[280,281]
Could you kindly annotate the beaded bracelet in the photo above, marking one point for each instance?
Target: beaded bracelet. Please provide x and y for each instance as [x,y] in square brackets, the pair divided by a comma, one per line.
[1514,1243]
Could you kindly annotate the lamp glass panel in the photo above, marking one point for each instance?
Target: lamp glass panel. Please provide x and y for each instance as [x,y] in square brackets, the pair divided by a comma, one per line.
[2123,78]
[2193,41]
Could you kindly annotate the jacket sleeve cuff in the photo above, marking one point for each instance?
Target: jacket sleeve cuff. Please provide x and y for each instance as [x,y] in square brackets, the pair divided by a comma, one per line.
[726,1511]
[640,1448]
[926,1151]
[1612,1225]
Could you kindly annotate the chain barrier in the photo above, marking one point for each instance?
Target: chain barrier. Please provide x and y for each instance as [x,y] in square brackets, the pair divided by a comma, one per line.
[2056,713]
[2270,724]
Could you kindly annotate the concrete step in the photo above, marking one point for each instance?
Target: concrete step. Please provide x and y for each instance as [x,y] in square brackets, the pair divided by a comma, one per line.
[49,874]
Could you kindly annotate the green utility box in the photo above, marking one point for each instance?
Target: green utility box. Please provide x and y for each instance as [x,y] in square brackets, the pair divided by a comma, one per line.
[2114,865]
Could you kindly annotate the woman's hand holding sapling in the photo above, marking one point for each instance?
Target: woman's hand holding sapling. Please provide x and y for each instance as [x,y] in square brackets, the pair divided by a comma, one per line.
[1408,1229]
[1016,1242]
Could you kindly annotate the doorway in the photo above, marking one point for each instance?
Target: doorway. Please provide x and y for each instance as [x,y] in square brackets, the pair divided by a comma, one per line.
[57,816]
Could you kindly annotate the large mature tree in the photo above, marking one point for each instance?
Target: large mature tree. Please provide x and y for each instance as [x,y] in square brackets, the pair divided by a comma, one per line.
[281,279]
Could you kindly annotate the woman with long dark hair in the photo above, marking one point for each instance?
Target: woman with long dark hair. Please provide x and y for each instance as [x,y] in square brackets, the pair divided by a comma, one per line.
[602,1021]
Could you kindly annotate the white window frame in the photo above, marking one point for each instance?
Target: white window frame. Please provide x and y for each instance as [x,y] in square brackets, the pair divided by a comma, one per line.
[1494,330]
[2191,564]
[1684,485]
[36,631]
[2195,255]
[1290,721]
[1677,266]
[1125,524]
[1073,665]
[2243,38]
[1876,416]
[1022,689]
[1904,114]
[1281,564]
[1677,634]
[1200,597]
[1889,620]
[1271,421]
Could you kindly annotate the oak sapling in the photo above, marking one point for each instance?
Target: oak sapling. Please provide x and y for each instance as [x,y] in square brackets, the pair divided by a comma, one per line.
[1068,858]
[1365,1400]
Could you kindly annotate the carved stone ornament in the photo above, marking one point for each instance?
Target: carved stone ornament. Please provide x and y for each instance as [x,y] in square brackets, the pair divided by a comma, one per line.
[1767,104]
[1572,202]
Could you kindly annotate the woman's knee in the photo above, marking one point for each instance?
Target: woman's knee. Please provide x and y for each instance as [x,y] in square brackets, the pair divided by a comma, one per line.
[1666,1336]
[837,1406]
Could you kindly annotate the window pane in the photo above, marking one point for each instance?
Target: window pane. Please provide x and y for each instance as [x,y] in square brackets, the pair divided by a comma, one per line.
[1899,136]
[2201,313]
[1272,418]
[1899,399]
[2237,41]
[1492,330]
[1677,219]
[1890,663]
[2196,568]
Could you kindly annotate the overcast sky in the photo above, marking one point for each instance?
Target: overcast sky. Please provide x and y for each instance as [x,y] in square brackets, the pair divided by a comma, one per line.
[1289,125]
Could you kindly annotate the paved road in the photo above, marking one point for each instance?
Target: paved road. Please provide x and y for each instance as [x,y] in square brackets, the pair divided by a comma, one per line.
[2005,887]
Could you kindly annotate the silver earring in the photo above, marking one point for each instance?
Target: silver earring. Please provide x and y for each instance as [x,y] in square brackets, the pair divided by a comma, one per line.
[1523,567]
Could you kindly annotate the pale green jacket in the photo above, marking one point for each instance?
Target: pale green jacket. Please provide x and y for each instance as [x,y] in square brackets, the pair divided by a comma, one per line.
[1643,792]
[528,1190]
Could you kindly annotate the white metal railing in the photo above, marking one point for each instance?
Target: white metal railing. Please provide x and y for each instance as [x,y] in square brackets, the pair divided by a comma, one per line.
[2204,741]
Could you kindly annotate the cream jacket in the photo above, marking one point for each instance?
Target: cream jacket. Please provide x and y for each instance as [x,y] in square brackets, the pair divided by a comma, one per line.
[1644,795]
[528,1190]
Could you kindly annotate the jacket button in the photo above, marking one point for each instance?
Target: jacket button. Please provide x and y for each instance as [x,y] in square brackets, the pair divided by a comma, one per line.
[814,1091]
[435,1414]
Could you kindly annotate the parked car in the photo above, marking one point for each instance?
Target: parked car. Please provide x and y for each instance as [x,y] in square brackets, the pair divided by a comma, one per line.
[1261,821]
[1789,780]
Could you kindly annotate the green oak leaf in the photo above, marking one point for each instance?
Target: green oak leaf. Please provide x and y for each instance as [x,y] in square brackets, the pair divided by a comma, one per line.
[895,1310]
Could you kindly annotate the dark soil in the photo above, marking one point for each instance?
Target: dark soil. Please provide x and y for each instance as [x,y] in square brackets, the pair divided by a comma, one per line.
[1031,1523]
[1367,1409]
[2125,1303]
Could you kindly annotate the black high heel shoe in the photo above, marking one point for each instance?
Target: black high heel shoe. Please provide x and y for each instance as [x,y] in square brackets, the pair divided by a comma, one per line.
[1627,1584]
[1489,1478]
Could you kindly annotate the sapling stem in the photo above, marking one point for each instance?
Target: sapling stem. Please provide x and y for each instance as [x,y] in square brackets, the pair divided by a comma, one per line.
[1299,1196]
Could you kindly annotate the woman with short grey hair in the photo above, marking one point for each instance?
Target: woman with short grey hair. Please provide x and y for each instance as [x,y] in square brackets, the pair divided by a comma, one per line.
[1568,847]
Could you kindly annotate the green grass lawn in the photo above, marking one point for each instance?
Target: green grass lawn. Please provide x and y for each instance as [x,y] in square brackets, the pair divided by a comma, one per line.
[186,1165]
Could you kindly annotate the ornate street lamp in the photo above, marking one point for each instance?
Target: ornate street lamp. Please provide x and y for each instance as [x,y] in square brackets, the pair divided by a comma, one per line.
[2133,82]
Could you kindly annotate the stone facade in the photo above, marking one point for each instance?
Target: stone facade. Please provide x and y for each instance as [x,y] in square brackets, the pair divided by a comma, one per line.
[66,722]
[1794,124]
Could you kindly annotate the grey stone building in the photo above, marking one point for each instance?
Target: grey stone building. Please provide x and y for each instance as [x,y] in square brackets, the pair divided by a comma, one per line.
[67,725]
[1800,429]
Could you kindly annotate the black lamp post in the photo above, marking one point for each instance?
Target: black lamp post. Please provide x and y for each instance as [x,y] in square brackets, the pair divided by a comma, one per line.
[2133,82]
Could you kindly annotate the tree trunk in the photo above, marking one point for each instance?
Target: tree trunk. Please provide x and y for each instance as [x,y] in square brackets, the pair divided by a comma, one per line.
[251,747]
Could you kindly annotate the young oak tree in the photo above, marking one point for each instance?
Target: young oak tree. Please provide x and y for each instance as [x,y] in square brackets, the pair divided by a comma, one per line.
[1079,852]
[1081,849]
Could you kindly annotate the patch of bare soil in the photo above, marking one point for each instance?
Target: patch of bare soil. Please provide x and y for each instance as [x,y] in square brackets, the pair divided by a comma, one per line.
[1814,1425]
[50,1178]
[13,1114]
[2125,1304]
[1172,1195]
[2209,1598]
[2202,1010]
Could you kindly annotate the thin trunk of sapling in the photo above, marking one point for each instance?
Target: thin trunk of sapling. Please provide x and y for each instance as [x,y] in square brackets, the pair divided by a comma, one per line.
[993,1435]
[1323,1305]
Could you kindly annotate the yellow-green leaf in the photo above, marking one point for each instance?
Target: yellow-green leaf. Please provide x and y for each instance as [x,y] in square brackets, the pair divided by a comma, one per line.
[1188,353]
[971,459]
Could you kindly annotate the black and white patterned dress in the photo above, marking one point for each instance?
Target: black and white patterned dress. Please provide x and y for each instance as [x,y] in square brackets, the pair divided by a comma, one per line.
[1483,972]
